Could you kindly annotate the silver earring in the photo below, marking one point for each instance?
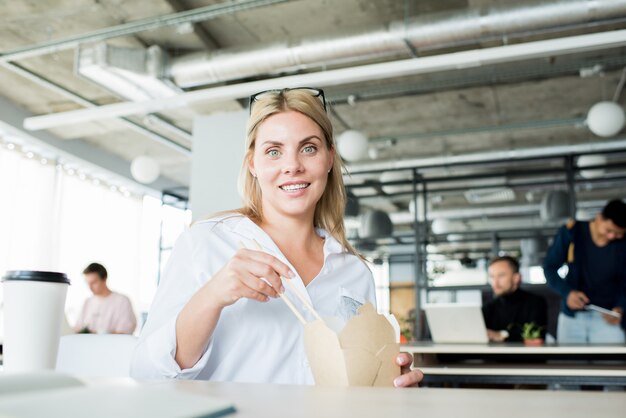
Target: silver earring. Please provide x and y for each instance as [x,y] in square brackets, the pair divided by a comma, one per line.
[329,170]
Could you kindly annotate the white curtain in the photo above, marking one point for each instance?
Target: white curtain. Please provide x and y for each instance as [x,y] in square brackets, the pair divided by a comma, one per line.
[27,211]
[53,221]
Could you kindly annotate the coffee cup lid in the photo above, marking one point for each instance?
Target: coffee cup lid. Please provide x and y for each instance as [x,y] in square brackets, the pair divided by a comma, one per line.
[36,276]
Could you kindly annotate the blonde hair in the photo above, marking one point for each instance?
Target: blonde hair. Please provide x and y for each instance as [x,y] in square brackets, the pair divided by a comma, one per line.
[329,210]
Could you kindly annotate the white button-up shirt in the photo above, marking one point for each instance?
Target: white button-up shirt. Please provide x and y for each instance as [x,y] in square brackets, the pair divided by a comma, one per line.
[253,341]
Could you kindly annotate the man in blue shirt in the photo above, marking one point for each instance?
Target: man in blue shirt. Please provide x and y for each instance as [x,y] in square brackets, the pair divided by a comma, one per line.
[595,253]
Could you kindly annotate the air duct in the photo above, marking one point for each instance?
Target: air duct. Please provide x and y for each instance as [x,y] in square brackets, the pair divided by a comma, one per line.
[375,224]
[354,74]
[398,39]
[132,73]
[486,214]
[555,206]
[533,250]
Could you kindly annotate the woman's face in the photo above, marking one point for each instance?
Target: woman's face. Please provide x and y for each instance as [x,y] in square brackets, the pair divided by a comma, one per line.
[291,163]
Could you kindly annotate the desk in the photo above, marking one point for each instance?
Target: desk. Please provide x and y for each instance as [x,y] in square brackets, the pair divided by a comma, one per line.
[127,398]
[512,363]
[264,400]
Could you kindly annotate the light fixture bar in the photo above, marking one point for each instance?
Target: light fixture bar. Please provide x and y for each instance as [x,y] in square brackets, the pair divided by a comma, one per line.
[401,68]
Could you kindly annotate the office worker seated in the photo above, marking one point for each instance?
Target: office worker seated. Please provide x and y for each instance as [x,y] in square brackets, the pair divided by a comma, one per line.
[512,307]
[106,312]
[595,254]
[216,315]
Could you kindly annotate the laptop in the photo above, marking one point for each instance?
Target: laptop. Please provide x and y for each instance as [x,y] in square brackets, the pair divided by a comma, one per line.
[456,323]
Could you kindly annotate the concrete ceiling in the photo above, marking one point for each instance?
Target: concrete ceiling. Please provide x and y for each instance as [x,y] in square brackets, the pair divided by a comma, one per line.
[531,92]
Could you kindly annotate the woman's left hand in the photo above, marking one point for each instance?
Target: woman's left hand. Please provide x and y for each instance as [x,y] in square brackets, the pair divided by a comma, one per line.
[408,377]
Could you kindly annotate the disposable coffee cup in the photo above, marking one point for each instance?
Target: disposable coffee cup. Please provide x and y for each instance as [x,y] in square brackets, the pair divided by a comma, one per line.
[34,304]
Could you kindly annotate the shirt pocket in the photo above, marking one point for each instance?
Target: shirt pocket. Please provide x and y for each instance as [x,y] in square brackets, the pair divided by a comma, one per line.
[349,303]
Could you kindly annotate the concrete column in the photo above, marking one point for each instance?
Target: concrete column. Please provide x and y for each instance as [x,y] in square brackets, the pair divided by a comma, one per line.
[218,150]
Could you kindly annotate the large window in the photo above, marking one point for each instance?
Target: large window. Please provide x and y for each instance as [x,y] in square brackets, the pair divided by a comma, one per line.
[53,218]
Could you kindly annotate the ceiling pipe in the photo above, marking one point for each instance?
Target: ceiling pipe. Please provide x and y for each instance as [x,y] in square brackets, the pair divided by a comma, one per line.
[590,147]
[468,212]
[406,217]
[399,39]
[531,124]
[189,16]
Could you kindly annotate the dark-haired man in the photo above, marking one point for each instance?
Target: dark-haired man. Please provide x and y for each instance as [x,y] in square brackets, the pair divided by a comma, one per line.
[106,312]
[512,307]
[595,253]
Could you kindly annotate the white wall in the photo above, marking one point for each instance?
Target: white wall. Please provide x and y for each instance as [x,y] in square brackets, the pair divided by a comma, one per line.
[218,150]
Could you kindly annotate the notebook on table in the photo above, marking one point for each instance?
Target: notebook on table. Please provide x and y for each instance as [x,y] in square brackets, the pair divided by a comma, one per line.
[71,399]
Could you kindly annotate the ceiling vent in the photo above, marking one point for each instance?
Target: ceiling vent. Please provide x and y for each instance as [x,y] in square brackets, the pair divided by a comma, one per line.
[491,195]
[133,73]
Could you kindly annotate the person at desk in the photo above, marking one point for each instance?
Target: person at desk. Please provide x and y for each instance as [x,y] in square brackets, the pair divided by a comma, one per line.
[216,314]
[106,312]
[595,253]
[512,307]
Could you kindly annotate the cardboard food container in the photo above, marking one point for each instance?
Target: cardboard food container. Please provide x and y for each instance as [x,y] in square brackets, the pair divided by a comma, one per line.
[363,353]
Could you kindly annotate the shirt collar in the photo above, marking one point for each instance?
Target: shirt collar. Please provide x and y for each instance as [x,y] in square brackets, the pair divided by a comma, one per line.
[331,245]
[249,230]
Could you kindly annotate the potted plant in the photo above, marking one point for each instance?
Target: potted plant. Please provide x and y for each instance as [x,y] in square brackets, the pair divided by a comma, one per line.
[531,334]
[407,325]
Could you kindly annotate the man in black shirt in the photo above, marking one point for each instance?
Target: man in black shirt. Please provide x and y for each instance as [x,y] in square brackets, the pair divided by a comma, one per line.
[512,307]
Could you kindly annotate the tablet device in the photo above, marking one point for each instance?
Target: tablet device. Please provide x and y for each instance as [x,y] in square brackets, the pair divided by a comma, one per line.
[596,308]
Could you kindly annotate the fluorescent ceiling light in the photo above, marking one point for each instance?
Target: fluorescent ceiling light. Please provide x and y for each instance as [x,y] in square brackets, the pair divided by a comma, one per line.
[453,61]
[490,195]
[364,191]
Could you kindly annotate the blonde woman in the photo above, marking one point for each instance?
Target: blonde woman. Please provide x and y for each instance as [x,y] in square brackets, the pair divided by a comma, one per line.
[217,315]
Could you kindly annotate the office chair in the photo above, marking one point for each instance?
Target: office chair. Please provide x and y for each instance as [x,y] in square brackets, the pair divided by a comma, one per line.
[96,355]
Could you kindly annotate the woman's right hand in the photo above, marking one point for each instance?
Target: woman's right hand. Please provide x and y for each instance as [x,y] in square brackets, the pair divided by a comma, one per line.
[249,274]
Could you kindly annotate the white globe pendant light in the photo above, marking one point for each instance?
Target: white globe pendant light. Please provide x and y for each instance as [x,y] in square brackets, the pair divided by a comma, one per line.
[606,119]
[144,169]
[352,145]
[591,160]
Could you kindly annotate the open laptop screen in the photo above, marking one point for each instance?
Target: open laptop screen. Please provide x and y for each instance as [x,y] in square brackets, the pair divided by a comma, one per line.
[456,323]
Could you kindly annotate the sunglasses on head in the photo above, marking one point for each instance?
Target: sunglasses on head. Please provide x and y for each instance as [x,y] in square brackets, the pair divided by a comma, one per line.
[319,93]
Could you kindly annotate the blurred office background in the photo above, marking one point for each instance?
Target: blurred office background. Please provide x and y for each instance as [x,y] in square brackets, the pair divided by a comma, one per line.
[465,126]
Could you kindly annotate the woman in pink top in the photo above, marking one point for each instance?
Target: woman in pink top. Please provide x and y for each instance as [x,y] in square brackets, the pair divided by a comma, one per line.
[106,312]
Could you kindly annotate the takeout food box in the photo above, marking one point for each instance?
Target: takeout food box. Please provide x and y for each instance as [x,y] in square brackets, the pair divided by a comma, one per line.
[363,353]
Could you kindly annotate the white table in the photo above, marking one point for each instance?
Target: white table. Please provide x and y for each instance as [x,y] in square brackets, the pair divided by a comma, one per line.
[516,363]
[126,398]
[272,401]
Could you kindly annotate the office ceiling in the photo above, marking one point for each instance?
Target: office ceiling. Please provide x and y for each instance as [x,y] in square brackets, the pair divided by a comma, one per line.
[509,106]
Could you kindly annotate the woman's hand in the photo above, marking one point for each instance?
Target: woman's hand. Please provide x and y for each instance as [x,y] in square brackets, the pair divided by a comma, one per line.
[408,377]
[249,274]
